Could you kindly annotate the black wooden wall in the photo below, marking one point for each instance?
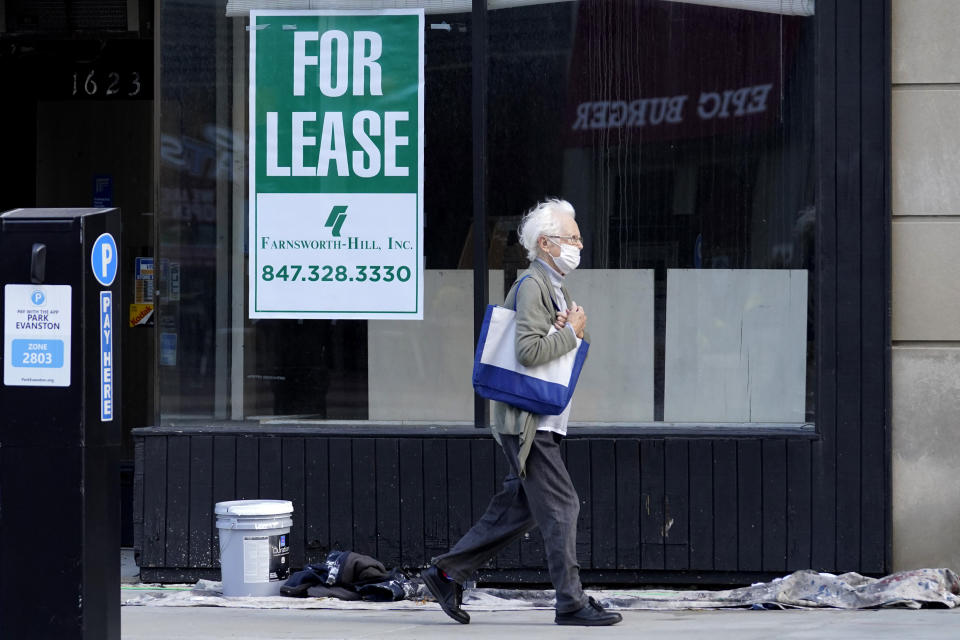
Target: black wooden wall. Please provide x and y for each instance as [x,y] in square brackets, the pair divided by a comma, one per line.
[693,504]
[711,509]
[850,489]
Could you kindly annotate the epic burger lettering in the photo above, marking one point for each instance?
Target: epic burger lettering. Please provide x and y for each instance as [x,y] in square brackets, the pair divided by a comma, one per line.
[731,103]
[668,71]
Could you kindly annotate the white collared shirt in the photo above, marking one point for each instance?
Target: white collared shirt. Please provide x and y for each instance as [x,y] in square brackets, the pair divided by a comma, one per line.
[558,423]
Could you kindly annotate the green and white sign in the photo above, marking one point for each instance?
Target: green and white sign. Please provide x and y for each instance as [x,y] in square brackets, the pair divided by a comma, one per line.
[336,164]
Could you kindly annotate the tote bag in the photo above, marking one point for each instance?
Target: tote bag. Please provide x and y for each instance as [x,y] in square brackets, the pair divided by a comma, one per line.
[543,389]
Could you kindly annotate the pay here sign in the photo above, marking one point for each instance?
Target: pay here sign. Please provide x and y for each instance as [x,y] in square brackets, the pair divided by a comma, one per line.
[336,164]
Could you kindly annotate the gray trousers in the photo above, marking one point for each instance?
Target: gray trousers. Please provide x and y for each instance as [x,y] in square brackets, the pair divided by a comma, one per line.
[545,498]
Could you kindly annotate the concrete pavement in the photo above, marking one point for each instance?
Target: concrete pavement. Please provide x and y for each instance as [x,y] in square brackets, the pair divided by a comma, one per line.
[202,623]
[194,623]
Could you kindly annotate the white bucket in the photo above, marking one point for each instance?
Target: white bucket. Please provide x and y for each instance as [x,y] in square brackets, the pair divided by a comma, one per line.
[254,546]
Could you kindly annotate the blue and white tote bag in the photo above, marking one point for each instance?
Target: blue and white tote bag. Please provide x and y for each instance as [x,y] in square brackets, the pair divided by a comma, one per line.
[543,389]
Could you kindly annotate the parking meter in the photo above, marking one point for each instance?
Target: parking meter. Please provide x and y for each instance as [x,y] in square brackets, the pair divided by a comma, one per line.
[59,423]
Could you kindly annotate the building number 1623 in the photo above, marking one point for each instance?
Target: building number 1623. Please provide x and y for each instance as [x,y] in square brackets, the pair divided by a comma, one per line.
[94,83]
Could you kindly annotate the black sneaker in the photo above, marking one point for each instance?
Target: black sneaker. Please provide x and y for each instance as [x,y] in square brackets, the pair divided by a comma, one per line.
[592,615]
[447,592]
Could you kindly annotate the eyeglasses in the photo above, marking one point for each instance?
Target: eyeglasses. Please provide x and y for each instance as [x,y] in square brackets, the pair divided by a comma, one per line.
[569,239]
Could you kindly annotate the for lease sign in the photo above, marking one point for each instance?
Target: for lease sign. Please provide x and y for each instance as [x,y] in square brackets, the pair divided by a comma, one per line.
[336,164]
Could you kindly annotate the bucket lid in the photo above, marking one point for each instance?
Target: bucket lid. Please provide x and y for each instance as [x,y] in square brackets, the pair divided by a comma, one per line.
[253,508]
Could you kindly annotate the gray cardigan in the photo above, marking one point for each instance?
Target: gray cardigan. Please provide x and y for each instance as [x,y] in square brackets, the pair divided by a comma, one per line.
[535,316]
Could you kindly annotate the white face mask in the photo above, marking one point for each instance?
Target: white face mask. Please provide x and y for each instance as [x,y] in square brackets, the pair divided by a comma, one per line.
[569,258]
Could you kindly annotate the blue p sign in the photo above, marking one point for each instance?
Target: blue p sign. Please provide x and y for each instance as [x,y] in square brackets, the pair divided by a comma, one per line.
[37,297]
[103,259]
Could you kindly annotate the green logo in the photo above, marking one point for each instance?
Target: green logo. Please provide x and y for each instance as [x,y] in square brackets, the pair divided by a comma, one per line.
[337,215]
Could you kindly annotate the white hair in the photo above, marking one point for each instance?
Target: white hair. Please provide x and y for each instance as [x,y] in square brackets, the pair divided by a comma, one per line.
[542,220]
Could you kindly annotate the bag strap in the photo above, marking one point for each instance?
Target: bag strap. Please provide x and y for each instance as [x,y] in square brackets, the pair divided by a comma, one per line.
[516,294]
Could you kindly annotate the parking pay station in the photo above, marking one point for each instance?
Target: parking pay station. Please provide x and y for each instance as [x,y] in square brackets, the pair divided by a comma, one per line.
[59,423]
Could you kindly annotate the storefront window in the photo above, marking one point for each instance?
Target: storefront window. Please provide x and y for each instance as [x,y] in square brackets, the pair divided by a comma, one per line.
[198,149]
[681,133]
[214,362]
[683,136]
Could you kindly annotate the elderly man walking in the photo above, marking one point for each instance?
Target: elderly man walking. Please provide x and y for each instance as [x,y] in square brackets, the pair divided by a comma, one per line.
[537,491]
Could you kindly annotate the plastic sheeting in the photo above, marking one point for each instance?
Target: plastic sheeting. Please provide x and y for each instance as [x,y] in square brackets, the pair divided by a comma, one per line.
[800,590]
[809,589]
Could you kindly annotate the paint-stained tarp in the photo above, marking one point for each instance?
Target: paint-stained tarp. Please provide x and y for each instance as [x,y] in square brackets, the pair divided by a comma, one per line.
[802,590]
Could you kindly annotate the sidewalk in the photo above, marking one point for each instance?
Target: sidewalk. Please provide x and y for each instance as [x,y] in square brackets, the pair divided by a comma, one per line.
[194,623]
[189,612]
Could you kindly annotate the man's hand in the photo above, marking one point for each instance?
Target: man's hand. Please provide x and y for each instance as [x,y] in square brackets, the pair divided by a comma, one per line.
[574,316]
